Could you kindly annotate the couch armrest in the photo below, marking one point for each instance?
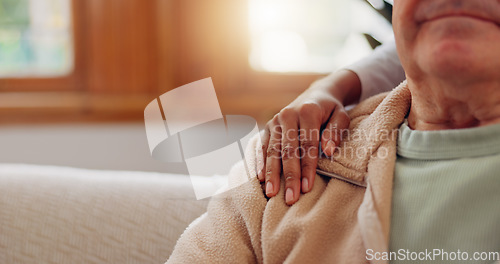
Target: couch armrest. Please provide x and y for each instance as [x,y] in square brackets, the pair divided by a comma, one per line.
[66,215]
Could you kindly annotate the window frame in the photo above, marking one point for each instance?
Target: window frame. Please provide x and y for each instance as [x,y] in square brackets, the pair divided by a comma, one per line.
[69,82]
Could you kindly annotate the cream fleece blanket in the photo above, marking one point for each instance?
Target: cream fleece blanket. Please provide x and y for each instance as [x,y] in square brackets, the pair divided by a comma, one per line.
[335,223]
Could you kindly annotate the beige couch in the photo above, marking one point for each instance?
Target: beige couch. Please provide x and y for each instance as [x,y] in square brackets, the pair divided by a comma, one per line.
[67,215]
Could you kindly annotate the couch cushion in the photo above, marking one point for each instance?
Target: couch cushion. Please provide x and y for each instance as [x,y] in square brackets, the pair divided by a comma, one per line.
[68,215]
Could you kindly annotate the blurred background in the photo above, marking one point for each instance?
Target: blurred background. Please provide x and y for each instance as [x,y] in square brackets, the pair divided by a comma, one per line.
[76,75]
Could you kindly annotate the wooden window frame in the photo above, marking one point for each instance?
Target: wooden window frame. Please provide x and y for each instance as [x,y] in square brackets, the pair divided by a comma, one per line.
[76,97]
[65,83]
[191,40]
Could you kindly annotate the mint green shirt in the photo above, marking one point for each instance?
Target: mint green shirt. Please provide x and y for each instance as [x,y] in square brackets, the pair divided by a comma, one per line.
[446,195]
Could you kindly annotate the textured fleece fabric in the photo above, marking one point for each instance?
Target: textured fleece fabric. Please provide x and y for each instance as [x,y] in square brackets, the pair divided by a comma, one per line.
[334,223]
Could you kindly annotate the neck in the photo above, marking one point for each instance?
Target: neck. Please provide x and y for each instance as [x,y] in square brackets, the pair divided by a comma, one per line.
[440,105]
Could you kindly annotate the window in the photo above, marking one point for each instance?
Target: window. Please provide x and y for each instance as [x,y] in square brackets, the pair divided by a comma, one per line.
[35,38]
[312,35]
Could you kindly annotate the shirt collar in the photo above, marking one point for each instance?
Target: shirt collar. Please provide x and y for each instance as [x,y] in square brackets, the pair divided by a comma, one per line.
[448,144]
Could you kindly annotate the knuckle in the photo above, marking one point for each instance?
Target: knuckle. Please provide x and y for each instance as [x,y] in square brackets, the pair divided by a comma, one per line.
[275,128]
[286,114]
[264,141]
[270,123]
[310,150]
[288,152]
[275,132]
[269,174]
[309,109]
[273,124]
[308,144]
[289,177]
[264,148]
[275,121]
[273,151]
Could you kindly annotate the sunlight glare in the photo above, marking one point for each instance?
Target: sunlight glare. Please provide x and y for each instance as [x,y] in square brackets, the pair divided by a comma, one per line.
[282,51]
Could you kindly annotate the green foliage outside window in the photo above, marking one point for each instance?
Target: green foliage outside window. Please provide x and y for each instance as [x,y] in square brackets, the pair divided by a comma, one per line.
[35,38]
[14,13]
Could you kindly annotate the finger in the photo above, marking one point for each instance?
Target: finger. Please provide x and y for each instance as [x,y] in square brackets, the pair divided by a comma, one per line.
[290,156]
[265,143]
[332,134]
[309,134]
[273,161]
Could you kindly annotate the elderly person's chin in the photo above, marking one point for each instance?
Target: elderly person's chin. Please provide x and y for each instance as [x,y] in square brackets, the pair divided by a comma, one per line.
[449,49]
[458,47]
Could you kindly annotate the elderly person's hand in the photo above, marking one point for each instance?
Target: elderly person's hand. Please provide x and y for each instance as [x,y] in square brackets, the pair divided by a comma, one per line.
[291,139]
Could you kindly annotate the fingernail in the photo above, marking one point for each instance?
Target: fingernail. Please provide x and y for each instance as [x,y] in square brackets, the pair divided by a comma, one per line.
[305,185]
[289,195]
[269,188]
[330,145]
[260,176]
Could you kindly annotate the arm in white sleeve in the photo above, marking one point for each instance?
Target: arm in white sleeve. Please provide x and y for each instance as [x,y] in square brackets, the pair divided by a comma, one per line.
[379,72]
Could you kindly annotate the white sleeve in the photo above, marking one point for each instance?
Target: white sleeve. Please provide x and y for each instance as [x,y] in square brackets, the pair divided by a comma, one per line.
[379,72]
